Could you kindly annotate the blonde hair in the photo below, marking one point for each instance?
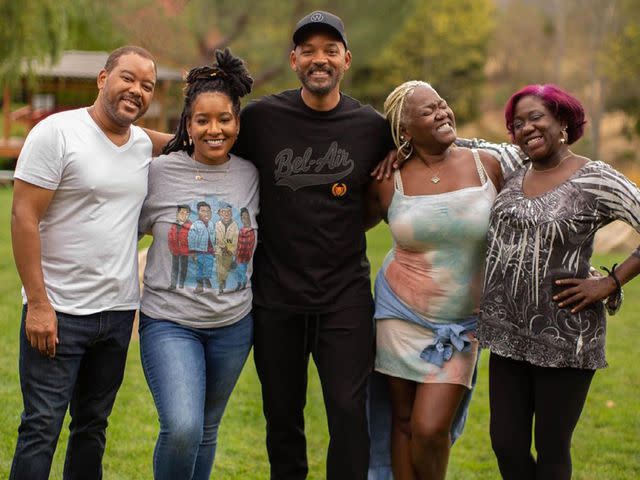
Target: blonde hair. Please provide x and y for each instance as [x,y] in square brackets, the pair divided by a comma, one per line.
[394,108]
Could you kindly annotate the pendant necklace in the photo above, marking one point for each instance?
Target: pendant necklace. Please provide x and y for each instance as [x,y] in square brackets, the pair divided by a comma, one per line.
[435,178]
[200,177]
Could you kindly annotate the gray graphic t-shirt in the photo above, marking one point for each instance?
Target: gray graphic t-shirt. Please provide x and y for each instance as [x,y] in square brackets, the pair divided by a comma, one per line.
[203,222]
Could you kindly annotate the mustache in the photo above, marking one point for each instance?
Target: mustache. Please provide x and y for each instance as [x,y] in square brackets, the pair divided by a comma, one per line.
[325,69]
[132,98]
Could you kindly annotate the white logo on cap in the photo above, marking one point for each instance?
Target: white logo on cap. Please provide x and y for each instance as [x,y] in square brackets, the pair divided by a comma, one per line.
[316,17]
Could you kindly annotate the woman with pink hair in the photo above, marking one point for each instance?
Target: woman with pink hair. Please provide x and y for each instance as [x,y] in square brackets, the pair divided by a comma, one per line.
[542,316]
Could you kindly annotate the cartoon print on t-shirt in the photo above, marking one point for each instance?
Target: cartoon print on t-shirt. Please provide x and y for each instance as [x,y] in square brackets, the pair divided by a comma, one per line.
[201,239]
[246,243]
[226,243]
[208,252]
[179,246]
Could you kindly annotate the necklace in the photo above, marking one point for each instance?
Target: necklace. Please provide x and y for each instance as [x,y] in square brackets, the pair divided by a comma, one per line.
[569,153]
[200,177]
[435,178]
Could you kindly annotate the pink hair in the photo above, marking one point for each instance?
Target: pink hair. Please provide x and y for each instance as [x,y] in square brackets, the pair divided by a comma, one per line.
[564,107]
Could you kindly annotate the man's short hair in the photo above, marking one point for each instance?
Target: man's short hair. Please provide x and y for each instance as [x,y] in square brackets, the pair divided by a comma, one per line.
[114,56]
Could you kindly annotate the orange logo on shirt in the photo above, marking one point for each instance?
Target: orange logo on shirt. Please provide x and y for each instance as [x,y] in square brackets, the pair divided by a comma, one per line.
[338,189]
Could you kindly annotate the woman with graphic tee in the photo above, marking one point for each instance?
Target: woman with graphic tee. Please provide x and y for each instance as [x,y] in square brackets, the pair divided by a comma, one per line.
[195,333]
[542,318]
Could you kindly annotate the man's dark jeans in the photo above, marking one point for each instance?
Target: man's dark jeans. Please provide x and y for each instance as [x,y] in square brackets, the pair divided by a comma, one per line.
[85,376]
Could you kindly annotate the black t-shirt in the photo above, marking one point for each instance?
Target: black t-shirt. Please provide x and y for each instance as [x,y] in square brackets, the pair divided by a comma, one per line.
[314,170]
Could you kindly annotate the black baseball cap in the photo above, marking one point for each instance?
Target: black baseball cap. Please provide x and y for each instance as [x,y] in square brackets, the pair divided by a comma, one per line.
[319,20]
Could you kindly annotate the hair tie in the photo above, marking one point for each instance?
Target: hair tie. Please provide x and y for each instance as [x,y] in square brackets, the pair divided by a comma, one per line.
[217,71]
[206,74]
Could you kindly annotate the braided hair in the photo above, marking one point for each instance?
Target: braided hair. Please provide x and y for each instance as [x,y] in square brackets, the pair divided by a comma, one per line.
[394,110]
[227,75]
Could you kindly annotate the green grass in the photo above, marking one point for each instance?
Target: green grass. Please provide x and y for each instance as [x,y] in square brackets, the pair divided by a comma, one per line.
[606,442]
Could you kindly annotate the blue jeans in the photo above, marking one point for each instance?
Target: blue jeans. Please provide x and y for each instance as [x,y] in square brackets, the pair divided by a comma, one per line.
[191,373]
[85,376]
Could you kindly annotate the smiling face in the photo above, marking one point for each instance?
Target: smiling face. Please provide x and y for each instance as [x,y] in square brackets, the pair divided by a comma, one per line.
[428,120]
[126,91]
[213,126]
[320,61]
[535,130]
[204,213]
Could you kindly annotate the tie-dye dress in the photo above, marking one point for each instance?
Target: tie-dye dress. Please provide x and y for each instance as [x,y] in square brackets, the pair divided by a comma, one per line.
[428,288]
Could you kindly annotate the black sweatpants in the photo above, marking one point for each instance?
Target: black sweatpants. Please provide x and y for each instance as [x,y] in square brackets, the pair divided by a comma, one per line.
[518,392]
[342,346]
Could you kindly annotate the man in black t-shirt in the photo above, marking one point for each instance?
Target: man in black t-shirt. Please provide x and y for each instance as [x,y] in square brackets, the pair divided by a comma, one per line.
[314,148]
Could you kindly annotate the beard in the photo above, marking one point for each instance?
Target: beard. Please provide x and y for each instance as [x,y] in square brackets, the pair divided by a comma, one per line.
[111,106]
[334,77]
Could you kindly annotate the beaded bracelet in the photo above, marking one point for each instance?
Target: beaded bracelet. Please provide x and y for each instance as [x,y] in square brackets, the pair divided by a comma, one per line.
[614,301]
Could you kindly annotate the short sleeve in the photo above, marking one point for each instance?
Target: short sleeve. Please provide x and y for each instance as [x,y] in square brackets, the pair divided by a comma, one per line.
[510,157]
[41,161]
[148,214]
[618,197]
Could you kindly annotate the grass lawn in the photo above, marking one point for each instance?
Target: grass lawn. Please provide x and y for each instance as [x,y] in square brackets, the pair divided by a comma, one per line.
[606,442]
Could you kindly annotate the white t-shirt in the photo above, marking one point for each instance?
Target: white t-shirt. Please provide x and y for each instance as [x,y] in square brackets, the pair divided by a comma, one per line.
[89,232]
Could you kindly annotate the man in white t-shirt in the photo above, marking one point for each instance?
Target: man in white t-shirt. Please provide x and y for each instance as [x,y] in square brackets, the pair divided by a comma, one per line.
[79,186]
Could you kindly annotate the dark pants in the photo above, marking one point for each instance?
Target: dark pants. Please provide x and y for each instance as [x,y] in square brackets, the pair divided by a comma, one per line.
[518,392]
[85,376]
[179,267]
[342,347]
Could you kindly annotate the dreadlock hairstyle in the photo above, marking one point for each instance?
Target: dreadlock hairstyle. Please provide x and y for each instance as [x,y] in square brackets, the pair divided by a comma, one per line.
[227,75]
[394,113]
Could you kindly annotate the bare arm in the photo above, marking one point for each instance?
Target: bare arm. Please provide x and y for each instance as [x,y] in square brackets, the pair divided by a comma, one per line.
[29,206]
[377,201]
[492,167]
[158,139]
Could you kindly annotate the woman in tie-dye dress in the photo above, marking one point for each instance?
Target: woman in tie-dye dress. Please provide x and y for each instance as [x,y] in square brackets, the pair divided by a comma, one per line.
[437,207]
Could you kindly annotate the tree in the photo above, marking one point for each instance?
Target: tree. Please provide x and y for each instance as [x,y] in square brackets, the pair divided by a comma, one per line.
[444,43]
[589,47]
[622,63]
[37,31]
[187,32]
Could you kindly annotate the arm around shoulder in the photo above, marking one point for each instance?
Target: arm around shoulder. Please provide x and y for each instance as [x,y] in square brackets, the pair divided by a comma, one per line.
[158,139]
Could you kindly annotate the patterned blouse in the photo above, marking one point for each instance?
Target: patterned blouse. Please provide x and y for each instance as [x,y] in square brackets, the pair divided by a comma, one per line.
[534,241]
